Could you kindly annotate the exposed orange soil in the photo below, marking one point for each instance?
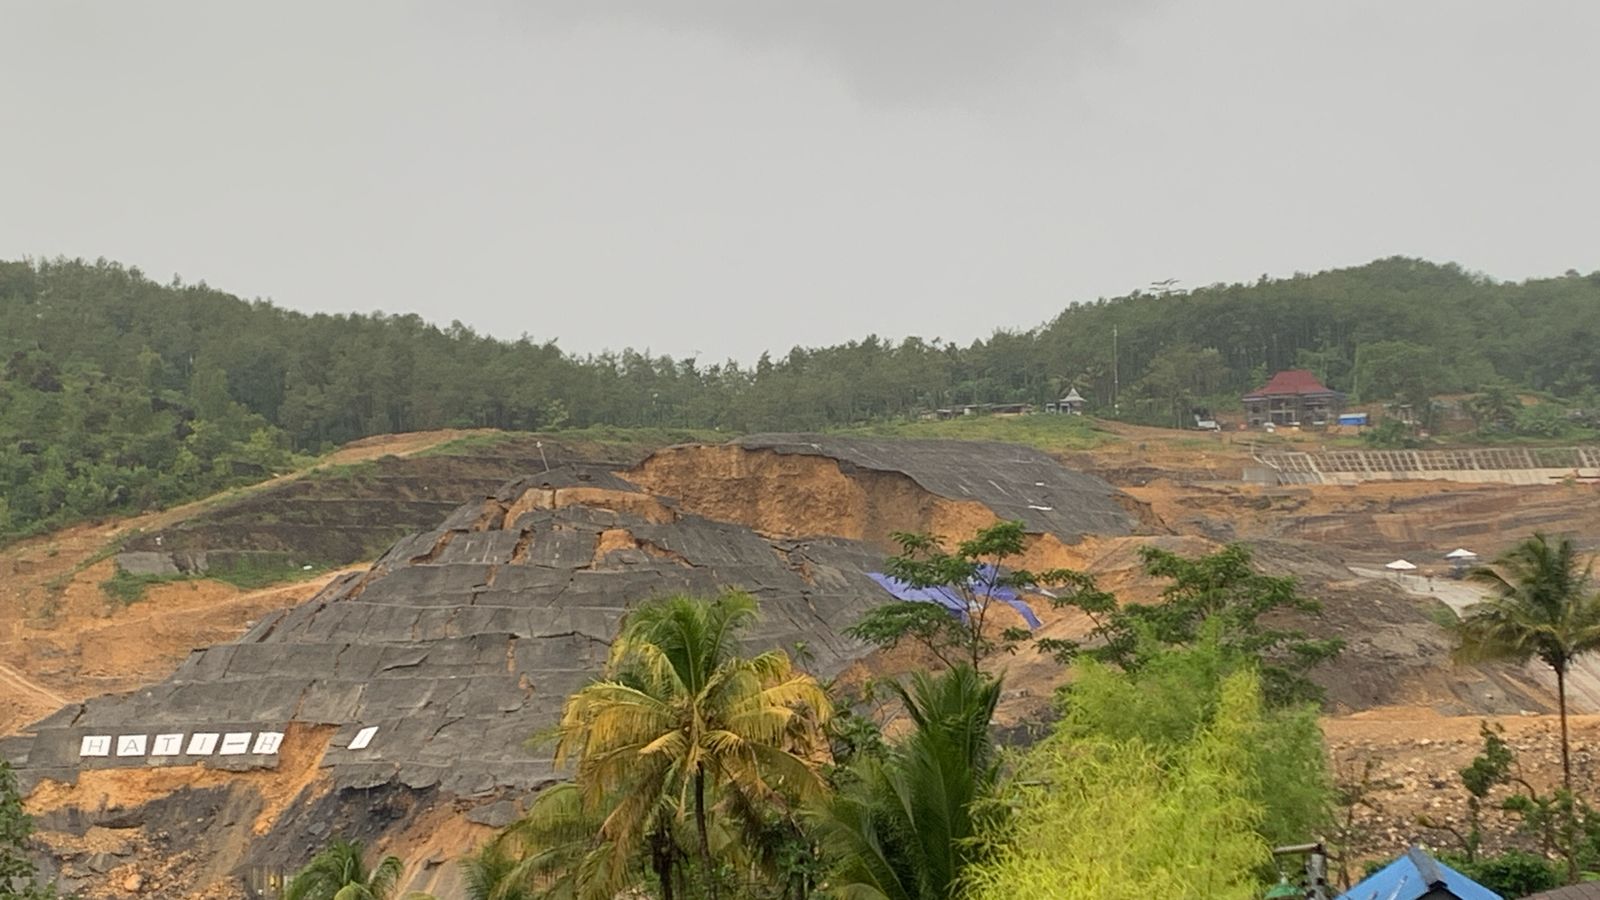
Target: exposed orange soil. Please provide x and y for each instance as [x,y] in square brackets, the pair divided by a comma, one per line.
[797,496]
[144,861]
[63,640]
[432,845]
[94,645]
[794,495]
[298,765]
[642,505]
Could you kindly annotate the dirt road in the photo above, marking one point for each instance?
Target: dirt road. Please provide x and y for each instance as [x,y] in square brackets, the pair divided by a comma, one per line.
[16,681]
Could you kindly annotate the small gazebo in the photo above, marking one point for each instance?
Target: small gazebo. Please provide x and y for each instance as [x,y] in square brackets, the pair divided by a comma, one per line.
[1070,405]
[1461,559]
[1400,567]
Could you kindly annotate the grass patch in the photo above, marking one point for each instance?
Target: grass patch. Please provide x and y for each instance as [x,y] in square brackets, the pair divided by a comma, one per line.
[648,436]
[343,471]
[468,444]
[251,574]
[1046,432]
[128,588]
[56,585]
[631,436]
[246,573]
[1443,616]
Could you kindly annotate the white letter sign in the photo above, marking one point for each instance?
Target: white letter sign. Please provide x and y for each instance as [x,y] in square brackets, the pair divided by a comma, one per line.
[131,745]
[363,737]
[267,742]
[95,745]
[202,743]
[167,745]
[235,743]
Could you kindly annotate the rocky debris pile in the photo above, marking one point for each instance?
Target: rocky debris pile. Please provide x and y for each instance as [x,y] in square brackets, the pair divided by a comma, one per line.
[1406,775]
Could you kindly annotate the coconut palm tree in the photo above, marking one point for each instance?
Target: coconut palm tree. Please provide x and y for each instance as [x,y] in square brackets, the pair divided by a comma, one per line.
[338,873]
[1494,407]
[556,852]
[488,874]
[680,714]
[1543,609]
[905,826]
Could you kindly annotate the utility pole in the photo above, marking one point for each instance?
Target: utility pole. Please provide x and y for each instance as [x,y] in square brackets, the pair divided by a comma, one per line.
[1116,376]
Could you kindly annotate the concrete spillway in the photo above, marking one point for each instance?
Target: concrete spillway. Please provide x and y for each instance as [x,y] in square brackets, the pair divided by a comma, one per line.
[1497,465]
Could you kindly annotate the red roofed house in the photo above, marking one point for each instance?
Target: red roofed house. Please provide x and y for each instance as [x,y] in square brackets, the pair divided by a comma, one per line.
[1292,397]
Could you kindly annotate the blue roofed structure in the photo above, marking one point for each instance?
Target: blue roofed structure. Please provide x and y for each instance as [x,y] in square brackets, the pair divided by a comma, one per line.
[1418,876]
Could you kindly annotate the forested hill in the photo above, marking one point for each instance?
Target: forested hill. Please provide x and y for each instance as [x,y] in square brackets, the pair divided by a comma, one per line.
[118,393]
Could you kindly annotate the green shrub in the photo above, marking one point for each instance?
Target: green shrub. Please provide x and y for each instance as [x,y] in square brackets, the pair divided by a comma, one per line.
[1514,873]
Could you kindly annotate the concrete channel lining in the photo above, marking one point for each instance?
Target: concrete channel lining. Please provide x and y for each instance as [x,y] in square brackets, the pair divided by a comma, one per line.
[1492,465]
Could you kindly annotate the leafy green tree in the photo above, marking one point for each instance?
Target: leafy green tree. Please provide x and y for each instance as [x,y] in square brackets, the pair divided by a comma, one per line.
[1543,608]
[1400,370]
[339,872]
[1181,376]
[973,573]
[906,826]
[19,874]
[1488,770]
[1546,420]
[1176,695]
[1563,825]
[1221,594]
[1103,818]
[681,714]
[1390,434]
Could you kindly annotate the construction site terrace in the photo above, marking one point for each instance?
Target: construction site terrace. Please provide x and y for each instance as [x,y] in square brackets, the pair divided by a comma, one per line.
[442,592]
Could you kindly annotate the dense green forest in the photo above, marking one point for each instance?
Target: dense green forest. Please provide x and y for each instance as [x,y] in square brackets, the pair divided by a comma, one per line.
[118,393]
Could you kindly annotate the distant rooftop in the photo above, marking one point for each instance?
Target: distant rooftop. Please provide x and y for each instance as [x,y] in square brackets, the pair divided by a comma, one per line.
[1290,383]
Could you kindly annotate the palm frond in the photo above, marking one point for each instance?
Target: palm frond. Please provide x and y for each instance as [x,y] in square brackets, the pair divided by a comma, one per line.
[385,878]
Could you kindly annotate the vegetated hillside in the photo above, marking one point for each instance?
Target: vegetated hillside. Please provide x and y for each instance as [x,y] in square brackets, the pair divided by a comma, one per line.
[118,393]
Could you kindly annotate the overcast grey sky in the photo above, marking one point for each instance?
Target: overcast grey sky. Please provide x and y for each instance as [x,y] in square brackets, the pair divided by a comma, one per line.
[724,177]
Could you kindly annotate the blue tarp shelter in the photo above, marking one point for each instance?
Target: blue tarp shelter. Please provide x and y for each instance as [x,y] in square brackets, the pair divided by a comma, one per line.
[952,600]
[1353,419]
[1418,876]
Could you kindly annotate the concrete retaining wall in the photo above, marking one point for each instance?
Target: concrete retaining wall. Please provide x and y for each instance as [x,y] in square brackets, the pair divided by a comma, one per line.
[1496,465]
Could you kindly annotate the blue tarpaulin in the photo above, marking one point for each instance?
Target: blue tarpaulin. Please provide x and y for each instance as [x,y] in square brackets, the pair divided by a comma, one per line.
[1353,419]
[952,600]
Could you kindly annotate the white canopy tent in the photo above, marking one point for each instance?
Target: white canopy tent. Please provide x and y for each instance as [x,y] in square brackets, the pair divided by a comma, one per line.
[1461,560]
[1400,565]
